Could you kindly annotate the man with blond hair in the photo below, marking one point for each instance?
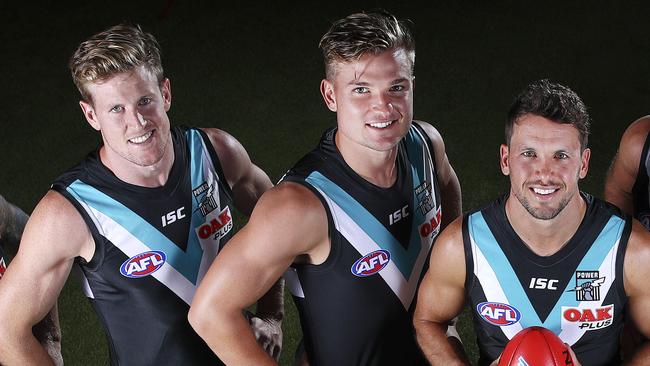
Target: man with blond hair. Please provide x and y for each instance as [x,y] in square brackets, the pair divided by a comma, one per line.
[142,218]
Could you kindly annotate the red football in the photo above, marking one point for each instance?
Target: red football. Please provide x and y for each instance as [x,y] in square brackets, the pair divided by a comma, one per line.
[535,346]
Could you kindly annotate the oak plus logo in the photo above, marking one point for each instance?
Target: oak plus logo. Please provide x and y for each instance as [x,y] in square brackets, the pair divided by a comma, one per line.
[592,318]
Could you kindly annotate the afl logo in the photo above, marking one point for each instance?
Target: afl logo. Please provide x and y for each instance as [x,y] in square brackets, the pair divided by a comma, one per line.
[498,314]
[371,263]
[143,264]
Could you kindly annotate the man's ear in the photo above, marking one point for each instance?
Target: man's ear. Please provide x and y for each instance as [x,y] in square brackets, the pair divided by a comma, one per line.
[584,162]
[504,153]
[166,91]
[89,113]
[327,91]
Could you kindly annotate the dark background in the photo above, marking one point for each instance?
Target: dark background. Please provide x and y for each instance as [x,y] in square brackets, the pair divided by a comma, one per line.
[254,71]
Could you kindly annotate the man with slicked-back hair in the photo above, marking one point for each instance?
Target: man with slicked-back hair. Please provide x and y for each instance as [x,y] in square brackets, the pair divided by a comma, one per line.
[353,221]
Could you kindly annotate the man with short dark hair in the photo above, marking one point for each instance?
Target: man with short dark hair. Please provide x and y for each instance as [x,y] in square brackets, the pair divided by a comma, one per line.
[546,254]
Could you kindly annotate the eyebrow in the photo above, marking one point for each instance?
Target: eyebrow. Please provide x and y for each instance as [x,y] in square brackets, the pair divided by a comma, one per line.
[363,83]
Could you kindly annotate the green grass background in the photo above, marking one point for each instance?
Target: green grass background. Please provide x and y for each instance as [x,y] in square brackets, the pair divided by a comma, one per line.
[254,71]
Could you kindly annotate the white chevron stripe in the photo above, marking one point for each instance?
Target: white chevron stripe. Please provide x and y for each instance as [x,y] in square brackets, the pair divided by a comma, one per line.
[404,289]
[131,246]
[491,286]
[570,332]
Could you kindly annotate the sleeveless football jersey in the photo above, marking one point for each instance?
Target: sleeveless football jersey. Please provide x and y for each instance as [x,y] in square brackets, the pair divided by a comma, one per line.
[152,247]
[577,292]
[356,307]
[641,188]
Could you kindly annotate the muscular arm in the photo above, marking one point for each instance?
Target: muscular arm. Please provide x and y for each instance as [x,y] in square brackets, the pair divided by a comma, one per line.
[53,237]
[288,221]
[447,179]
[625,165]
[248,182]
[12,224]
[636,272]
[441,297]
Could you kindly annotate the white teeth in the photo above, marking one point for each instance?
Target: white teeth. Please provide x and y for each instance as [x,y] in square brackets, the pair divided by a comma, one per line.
[381,124]
[141,139]
[543,191]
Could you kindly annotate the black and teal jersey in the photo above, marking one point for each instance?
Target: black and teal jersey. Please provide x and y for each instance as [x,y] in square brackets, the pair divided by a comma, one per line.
[152,248]
[356,307]
[576,292]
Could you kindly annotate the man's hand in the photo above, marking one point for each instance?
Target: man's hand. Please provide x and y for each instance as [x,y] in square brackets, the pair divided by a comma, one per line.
[268,332]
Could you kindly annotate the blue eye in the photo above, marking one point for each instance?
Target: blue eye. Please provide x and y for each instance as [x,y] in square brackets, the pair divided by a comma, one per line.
[117,109]
[361,90]
[144,101]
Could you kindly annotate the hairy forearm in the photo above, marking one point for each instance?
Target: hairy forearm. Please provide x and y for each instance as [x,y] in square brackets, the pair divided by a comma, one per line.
[435,345]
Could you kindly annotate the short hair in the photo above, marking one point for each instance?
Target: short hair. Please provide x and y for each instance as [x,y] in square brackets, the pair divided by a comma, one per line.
[118,49]
[553,101]
[350,38]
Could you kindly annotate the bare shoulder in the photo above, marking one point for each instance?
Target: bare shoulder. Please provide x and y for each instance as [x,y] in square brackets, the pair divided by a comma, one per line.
[292,213]
[56,223]
[637,257]
[634,137]
[450,240]
[640,128]
[292,203]
[232,156]
[223,142]
[432,132]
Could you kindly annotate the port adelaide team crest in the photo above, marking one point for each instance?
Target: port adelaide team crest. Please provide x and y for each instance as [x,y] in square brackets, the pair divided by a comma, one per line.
[594,315]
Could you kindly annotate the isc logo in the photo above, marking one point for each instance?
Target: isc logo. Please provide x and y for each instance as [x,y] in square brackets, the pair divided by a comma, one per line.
[143,264]
[371,263]
[498,314]
[543,283]
[171,217]
[398,215]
